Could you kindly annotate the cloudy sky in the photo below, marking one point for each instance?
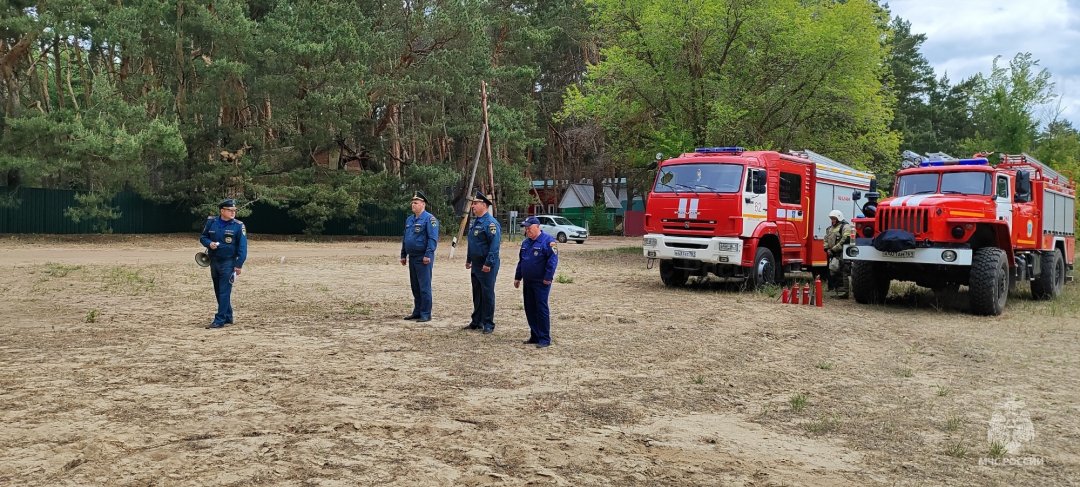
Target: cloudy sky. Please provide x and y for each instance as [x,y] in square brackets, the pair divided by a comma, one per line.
[964,36]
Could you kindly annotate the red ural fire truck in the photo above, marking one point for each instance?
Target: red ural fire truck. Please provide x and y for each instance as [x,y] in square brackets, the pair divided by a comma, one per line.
[748,215]
[957,222]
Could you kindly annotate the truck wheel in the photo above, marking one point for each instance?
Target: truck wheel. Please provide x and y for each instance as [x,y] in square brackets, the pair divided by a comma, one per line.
[869,282]
[561,237]
[1049,284]
[764,270]
[671,276]
[989,281]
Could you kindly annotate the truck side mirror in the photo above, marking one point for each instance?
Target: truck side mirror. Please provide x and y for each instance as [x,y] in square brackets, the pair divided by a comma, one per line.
[1022,192]
[856,195]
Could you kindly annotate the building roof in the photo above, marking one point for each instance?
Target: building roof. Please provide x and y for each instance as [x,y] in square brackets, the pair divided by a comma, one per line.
[582,196]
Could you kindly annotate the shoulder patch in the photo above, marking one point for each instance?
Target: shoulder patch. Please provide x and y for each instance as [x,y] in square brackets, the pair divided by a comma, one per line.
[492,228]
[554,247]
[243,228]
[434,222]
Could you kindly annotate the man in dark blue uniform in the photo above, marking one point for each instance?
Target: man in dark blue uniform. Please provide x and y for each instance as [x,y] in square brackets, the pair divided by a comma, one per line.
[418,246]
[538,260]
[483,260]
[226,239]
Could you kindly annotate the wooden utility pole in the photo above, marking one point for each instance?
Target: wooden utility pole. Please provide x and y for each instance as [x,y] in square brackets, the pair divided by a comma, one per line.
[487,142]
[468,194]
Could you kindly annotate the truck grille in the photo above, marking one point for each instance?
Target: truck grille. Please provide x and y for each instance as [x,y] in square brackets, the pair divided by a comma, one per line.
[688,225]
[912,220]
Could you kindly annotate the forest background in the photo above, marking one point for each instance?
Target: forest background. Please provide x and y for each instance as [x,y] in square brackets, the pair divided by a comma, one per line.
[325,108]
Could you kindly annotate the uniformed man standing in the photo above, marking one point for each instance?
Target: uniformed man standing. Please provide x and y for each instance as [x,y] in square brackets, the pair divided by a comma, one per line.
[538,260]
[483,260]
[418,247]
[226,239]
[836,237]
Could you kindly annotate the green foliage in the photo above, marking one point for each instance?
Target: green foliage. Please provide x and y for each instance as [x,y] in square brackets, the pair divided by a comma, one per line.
[779,74]
[94,208]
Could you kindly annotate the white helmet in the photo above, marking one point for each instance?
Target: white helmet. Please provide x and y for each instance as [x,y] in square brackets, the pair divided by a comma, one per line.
[839,215]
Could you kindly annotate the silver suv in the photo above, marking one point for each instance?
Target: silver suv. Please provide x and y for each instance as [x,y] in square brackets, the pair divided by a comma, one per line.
[561,228]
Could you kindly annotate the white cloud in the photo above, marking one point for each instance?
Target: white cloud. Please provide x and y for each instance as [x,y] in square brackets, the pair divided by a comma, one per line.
[964,36]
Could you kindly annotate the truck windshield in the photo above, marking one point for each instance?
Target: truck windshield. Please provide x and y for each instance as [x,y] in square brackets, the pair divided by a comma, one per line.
[966,183]
[699,178]
[951,182]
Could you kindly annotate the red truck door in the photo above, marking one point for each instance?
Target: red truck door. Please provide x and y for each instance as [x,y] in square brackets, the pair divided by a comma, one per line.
[792,213]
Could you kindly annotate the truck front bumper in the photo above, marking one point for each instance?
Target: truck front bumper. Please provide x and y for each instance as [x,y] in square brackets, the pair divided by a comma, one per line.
[715,250]
[942,256]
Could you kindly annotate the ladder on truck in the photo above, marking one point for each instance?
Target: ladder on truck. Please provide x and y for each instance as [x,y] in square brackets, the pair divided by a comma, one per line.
[838,170]
[1025,162]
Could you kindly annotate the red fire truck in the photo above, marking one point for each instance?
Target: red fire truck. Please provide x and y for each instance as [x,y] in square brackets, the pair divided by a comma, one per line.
[957,222]
[748,215]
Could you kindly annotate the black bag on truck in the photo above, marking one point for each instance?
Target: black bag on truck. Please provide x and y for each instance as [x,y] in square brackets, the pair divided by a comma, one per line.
[894,240]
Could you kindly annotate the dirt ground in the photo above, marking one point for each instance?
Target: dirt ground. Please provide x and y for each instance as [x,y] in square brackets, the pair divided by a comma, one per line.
[107,376]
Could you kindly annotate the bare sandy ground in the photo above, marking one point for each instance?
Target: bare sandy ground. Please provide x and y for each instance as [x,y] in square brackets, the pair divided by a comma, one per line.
[107,376]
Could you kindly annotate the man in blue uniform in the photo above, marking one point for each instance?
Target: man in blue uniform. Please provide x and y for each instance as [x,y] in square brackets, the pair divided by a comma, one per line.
[418,246]
[538,260]
[483,260]
[226,239]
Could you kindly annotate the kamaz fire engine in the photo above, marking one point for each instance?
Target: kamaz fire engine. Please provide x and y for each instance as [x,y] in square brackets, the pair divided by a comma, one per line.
[966,222]
[745,215]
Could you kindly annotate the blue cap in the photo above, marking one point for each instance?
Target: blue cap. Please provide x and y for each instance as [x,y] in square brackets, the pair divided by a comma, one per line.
[532,220]
[480,197]
[229,203]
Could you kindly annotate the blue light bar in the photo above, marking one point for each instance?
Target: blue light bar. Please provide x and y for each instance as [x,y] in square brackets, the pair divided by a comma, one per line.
[719,150]
[961,162]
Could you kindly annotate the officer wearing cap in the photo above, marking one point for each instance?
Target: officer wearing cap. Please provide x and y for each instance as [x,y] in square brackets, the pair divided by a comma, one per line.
[483,260]
[226,239]
[536,266]
[418,248]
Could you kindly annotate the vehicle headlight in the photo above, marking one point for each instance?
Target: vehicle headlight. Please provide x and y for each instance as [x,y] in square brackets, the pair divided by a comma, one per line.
[650,242]
[948,256]
[852,251]
[957,232]
[729,247]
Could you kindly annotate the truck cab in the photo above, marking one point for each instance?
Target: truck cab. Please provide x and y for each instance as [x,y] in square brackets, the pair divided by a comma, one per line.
[954,222]
[744,215]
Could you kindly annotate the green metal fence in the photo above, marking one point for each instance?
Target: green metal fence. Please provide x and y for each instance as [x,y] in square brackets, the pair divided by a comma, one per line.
[38,210]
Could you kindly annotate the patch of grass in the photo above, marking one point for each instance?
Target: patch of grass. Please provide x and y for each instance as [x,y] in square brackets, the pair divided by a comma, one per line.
[904,372]
[362,309]
[53,269]
[956,450]
[699,379]
[564,279]
[122,278]
[770,290]
[798,402]
[953,423]
[823,424]
[91,316]
[943,391]
[825,365]
[997,450]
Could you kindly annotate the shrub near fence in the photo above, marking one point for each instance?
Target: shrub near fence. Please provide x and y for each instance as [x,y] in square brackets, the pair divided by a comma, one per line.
[39,210]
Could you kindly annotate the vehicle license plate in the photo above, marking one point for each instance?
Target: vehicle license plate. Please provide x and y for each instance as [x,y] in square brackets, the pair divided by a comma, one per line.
[903,254]
[684,253]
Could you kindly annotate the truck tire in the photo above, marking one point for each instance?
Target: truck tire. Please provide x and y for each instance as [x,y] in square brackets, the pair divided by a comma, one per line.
[671,276]
[1049,284]
[989,281]
[764,270]
[869,282]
